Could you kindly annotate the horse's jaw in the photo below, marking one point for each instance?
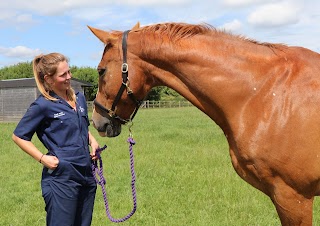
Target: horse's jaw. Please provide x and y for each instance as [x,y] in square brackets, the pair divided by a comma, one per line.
[107,127]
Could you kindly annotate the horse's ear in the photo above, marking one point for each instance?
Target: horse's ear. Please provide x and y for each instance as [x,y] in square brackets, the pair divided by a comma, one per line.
[100,34]
[136,27]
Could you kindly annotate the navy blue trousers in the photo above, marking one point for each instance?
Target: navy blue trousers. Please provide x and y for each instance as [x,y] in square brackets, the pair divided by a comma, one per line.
[68,195]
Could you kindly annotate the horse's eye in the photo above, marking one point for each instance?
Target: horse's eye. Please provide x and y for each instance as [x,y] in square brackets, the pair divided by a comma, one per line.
[102,71]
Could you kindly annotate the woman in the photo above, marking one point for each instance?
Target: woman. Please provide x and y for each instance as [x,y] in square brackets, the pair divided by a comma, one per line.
[59,117]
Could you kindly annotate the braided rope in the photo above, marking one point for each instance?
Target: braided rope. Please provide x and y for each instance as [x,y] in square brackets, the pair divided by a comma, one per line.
[96,170]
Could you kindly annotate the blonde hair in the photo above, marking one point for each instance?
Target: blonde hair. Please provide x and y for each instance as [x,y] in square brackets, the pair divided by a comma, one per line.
[47,65]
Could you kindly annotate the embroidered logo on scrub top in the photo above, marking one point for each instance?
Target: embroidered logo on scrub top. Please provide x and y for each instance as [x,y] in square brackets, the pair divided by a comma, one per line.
[81,109]
[57,115]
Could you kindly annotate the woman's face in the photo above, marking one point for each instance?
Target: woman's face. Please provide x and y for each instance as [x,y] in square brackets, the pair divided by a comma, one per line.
[60,82]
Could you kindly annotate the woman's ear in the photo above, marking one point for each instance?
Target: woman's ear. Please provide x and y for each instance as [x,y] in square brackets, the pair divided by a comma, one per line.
[48,79]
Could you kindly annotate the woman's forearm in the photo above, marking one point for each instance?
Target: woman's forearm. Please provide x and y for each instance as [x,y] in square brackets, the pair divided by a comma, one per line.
[28,147]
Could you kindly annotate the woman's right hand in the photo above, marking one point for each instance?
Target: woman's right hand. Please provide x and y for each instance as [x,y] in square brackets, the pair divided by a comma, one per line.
[50,161]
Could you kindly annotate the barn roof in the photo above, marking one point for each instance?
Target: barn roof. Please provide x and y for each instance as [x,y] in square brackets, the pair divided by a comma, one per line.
[30,82]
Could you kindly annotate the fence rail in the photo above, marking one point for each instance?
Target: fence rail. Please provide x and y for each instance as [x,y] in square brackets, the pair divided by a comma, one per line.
[165,104]
[157,104]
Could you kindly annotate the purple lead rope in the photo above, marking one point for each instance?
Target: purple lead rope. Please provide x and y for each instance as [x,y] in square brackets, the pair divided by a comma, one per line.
[102,182]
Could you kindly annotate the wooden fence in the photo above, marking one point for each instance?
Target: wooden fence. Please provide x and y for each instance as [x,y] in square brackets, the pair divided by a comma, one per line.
[158,104]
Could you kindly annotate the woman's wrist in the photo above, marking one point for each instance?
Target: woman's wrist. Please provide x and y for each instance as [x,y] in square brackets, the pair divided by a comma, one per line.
[41,158]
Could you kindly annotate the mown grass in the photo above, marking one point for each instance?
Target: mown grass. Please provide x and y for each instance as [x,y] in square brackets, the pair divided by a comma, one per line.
[184,177]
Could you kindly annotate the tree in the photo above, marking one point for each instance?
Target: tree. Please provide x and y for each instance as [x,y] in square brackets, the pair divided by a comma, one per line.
[20,70]
[89,75]
[155,93]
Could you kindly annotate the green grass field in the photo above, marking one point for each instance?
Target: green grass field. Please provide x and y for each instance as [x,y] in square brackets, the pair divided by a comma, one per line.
[184,177]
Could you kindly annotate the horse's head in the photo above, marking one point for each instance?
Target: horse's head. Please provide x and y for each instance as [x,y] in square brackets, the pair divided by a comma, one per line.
[117,99]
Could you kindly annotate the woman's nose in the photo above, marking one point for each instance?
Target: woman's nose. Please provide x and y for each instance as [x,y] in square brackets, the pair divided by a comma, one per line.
[69,75]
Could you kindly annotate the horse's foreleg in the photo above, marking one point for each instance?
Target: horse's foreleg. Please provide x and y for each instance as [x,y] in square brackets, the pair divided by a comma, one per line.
[293,209]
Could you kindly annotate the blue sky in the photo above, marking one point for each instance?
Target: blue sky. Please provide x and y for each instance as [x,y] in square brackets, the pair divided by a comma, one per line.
[28,28]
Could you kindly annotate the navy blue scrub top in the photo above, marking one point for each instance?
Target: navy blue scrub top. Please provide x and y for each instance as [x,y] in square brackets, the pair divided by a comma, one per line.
[61,129]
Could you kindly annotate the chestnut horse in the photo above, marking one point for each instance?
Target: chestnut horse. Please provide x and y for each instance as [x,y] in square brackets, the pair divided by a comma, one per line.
[265,97]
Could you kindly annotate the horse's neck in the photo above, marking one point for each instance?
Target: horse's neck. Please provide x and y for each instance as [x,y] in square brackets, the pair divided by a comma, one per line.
[216,76]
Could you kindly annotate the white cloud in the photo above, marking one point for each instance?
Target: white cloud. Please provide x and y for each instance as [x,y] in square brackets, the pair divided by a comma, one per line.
[276,14]
[6,15]
[232,26]
[24,21]
[21,52]
[86,10]
[154,2]
[49,7]
[21,21]
[241,3]
[91,14]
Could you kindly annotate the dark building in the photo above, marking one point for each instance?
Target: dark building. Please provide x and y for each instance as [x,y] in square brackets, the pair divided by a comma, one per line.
[16,95]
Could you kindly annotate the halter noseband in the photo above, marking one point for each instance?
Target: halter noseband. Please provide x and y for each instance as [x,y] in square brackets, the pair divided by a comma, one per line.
[124,85]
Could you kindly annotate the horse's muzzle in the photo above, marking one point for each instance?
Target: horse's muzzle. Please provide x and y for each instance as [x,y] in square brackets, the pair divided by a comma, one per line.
[107,127]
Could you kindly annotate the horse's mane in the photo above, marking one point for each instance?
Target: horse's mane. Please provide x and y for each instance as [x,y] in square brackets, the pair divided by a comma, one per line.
[176,31]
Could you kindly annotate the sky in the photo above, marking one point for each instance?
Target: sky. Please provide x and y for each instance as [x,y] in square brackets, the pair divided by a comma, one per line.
[30,28]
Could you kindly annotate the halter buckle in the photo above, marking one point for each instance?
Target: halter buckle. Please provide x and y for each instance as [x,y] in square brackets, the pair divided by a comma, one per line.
[124,68]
